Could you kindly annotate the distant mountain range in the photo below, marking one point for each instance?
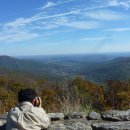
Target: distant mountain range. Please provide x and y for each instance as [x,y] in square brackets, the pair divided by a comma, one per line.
[98,68]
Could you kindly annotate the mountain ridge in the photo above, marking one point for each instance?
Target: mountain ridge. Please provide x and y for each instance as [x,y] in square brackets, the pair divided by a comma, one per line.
[115,69]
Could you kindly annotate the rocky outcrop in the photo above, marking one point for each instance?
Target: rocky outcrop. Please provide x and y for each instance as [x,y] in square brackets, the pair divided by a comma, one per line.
[71,126]
[115,115]
[109,120]
[75,115]
[2,122]
[56,116]
[112,126]
[94,116]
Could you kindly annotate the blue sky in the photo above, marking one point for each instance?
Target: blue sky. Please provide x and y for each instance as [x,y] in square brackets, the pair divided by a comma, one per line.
[38,27]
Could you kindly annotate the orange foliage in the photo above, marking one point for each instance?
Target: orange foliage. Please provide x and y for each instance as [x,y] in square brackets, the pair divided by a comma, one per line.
[49,100]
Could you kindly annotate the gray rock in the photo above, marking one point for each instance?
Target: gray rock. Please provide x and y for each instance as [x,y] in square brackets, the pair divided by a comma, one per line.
[78,126]
[115,115]
[2,122]
[75,115]
[3,116]
[73,126]
[57,127]
[94,116]
[78,121]
[56,116]
[112,126]
[128,115]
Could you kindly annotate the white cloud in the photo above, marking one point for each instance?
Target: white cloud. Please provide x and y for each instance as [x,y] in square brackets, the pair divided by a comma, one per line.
[17,37]
[113,2]
[99,39]
[49,4]
[125,4]
[118,29]
[82,24]
[94,38]
[16,31]
[105,15]
[18,23]
[27,28]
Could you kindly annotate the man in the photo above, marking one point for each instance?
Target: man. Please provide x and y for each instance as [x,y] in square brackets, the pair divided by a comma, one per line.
[28,115]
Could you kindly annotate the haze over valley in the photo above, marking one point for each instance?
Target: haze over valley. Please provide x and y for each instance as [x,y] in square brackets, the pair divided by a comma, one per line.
[94,67]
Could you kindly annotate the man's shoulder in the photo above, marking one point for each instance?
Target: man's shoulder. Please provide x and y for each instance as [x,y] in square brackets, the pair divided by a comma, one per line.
[37,110]
[14,109]
[26,108]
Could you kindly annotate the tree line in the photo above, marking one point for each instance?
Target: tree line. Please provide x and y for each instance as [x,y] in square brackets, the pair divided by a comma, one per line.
[77,94]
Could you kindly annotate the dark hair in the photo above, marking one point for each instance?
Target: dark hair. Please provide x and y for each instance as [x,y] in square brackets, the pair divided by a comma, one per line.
[27,94]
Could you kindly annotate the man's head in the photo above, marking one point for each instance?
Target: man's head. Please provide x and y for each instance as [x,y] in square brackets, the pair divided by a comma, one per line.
[27,95]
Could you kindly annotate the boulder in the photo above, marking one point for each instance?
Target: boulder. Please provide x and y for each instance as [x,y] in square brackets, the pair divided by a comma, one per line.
[112,126]
[78,126]
[116,115]
[57,127]
[75,115]
[56,116]
[94,116]
[78,121]
[128,115]
[73,126]
[2,124]
[3,116]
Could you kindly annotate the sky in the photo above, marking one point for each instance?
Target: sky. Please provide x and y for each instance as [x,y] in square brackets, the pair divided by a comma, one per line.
[47,27]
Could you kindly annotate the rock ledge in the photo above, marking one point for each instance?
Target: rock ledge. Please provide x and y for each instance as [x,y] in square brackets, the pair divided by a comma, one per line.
[109,120]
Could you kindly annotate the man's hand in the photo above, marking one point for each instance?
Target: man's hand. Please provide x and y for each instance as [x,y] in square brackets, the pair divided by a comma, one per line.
[37,102]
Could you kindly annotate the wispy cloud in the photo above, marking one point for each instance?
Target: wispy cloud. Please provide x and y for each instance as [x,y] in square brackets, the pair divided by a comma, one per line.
[94,38]
[117,29]
[99,39]
[11,31]
[16,31]
[125,4]
[51,4]
[22,29]
[114,3]
[82,24]
[106,15]
[17,35]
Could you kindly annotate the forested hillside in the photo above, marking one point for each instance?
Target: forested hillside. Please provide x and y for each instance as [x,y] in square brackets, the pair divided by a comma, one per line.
[95,68]
[67,84]
[68,96]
